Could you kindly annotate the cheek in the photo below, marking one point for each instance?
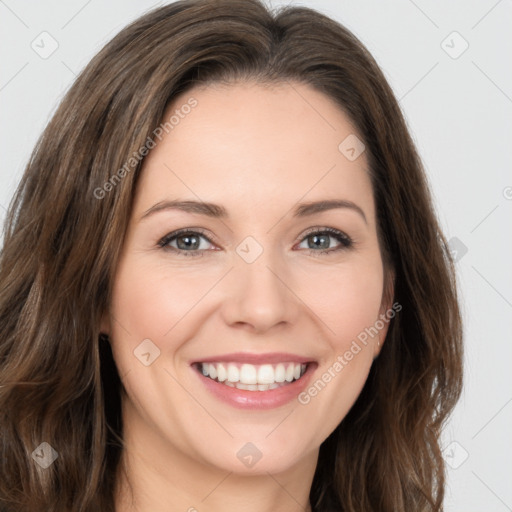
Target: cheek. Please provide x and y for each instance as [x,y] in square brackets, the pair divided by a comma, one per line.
[150,299]
[154,301]
[347,299]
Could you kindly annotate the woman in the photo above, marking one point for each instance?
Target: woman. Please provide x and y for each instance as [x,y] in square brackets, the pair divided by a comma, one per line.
[306,351]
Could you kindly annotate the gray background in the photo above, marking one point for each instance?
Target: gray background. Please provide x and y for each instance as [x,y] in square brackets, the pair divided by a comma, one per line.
[458,105]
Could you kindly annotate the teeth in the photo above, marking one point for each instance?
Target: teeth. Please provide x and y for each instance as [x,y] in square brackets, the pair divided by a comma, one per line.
[248,374]
[266,374]
[280,373]
[233,373]
[222,374]
[253,377]
[289,373]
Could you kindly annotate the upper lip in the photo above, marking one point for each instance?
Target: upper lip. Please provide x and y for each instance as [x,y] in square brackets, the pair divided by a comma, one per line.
[244,357]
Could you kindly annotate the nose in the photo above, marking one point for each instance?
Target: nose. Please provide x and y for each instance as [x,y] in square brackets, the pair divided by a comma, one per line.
[259,295]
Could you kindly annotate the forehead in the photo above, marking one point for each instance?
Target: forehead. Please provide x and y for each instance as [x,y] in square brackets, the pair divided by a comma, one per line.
[255,143]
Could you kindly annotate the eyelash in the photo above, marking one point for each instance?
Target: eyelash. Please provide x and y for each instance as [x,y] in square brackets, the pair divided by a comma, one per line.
[345,241]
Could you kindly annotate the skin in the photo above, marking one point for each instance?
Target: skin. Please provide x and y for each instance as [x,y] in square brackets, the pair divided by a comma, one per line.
[257,151]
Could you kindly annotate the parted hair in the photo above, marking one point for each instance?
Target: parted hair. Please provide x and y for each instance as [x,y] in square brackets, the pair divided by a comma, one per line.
[62,240]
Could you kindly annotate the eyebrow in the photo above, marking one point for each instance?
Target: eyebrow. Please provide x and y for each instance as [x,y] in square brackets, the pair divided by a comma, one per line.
[219,212]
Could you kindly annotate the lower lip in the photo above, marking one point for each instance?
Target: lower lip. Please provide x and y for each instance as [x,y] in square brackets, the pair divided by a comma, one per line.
[269,399]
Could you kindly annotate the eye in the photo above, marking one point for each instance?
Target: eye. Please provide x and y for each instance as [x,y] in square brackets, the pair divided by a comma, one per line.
[185,242]
[319,241]
[189,242]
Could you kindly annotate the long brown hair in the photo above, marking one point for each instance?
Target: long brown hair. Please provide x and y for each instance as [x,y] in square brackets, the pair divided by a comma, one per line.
[65,229]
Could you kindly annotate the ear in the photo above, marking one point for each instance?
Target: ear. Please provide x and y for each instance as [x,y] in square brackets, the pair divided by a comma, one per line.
[386,311]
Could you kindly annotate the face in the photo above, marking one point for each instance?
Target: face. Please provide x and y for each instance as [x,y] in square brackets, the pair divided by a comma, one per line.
[251,256]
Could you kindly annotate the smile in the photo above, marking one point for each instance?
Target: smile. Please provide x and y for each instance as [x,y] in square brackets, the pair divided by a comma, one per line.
[250,377]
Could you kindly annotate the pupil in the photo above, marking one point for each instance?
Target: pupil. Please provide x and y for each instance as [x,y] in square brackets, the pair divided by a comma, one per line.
[321,237]
[187,241]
